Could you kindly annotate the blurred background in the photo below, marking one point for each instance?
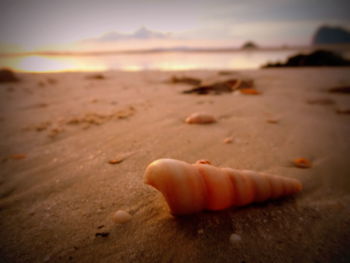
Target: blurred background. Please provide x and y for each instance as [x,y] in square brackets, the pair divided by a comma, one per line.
[85,35]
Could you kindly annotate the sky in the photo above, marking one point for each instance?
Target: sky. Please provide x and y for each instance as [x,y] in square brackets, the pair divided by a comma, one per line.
[30,25]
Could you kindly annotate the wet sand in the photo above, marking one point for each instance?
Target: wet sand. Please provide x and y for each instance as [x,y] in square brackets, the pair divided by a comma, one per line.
[75,146]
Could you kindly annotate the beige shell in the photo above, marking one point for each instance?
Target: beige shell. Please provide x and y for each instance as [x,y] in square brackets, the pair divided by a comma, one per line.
[200,118]
[190,188]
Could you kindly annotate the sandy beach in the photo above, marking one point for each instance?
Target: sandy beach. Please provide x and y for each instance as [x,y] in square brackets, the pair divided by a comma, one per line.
[75,146]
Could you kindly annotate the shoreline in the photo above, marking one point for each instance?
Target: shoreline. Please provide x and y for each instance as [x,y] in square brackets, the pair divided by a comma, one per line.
[59,188]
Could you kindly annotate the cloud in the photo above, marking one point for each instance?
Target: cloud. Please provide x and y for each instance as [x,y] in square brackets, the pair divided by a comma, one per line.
[141,34]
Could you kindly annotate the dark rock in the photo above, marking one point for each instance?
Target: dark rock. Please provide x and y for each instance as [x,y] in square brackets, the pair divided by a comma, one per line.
[331,35]
[315,59]
[7,75]
[102,234]
[340,89]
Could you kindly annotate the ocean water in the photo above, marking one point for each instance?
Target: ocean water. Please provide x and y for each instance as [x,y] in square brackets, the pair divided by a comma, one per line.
[251,59]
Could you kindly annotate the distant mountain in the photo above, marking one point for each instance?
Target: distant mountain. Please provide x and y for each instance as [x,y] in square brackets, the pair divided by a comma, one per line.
[331,35]
[142,33]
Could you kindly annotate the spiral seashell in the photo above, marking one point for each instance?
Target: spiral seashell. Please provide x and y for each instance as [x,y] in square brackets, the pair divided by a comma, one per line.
[190,188]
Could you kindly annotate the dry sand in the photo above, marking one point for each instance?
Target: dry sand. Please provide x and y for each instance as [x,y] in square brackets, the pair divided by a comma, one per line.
[74,150]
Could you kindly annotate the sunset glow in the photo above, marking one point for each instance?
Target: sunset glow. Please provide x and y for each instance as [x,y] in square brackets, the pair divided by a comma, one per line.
[137,62]
[37,25]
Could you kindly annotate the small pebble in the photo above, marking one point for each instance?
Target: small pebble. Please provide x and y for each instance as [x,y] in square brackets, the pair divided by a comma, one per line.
[273,120]
[235,239]
[302,163]
[102,234]
[228,140]
[121,217]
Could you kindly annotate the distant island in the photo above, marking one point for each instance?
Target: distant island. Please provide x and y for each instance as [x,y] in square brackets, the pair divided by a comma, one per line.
[249,45]
[327,35]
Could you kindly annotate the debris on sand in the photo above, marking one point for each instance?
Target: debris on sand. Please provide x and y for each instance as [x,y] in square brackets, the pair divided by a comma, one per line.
[340,89]
[96,76]
[185,80]
[7,75]
[302,163]
[54,128]
[125,113]
[102,234]
[235,239]
[226,72]
[250,91]
[118,159]
[53,132]
[200,118]
[273,120]
[226,86]
[94,100]
[98,118]
[51,81]
[42,126]
[343,111]
[320,101]
[41,84]
[121,217]
[19,156]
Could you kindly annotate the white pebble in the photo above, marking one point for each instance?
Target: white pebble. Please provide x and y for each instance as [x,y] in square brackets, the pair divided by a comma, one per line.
[235,238]
[121,217]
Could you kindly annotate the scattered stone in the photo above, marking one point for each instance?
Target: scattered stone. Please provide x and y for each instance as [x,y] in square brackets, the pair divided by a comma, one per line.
[41,84]
[96,76]
[228,140]
[185,80]
[7,75]
[42,126]
[226,72]
[51,81]
[343,111]
[340,89]
[302,163]
[55,131]
[235,239]
[126,113]
[102,234]
[250,91]
[217,88]
[203,161]
[273,120]
[121,217]
[119,159]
